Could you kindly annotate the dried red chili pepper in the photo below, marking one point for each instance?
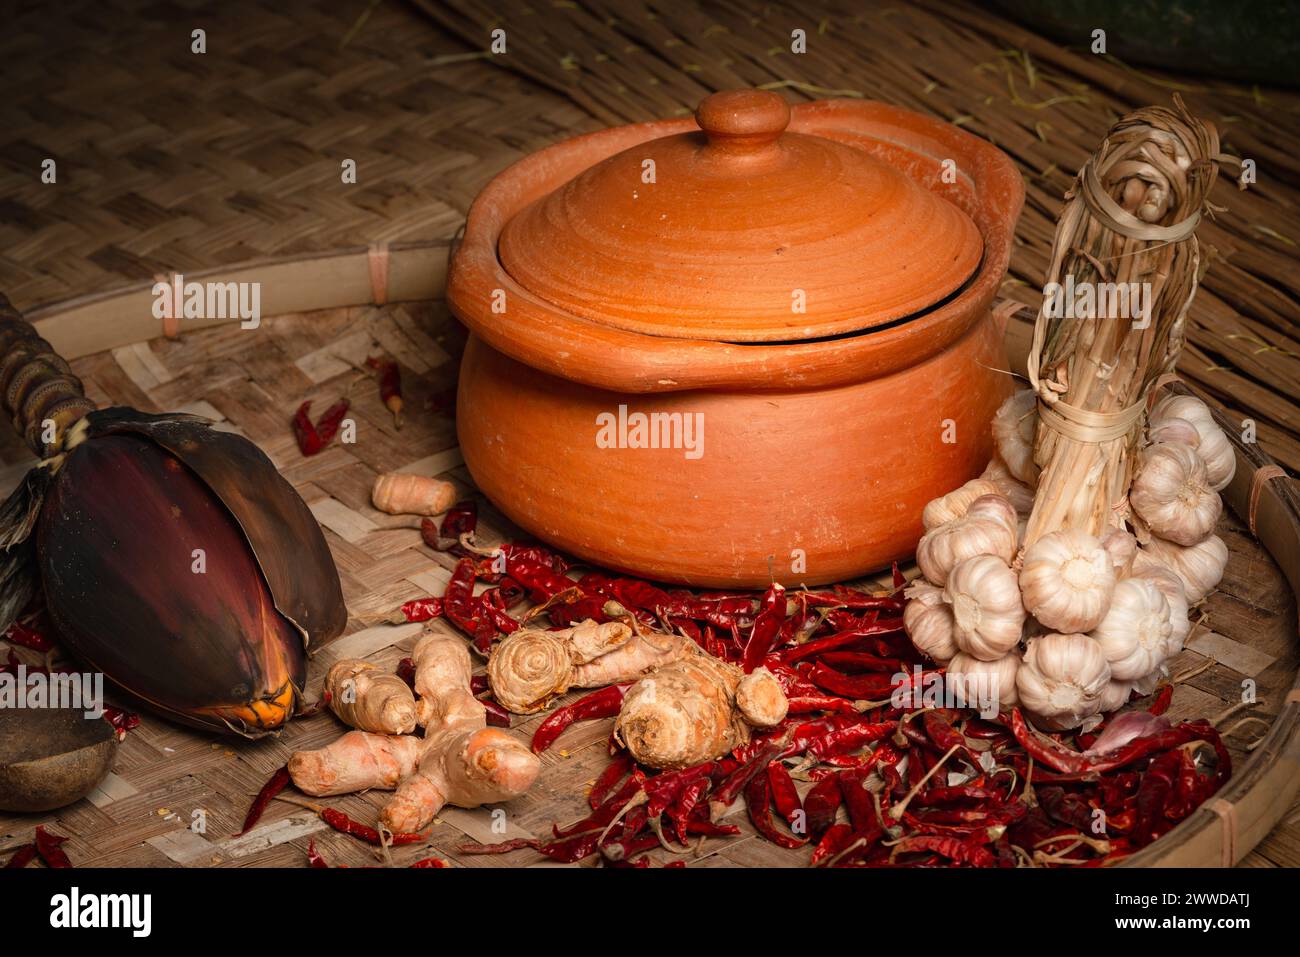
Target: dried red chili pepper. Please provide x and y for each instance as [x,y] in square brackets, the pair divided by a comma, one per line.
[684,808]
[21,857]
[497,716]
[871,686]
[26,637]
[820,805]
[784,794]
[834,841]
[1160,703]
[47,846]
[808,704]
[1066,761]
[758,798]
[418,609]
[431,862]
[857,800]
[304,431]
[461,519]
[767,628]
[944,736]
[346,825]
[723,611]
[847,598]
[1069,809]
[390,385]
[604,703]
[839,639]
[664,788]
[858,661]
[728,789]
[274,785]
[963,851]
[312,438]
[614,772]
[406,671]
[121,720]
[313,856]
[844,740]
[461,608]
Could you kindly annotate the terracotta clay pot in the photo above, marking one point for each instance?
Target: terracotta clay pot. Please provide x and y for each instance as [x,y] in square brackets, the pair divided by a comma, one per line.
[810,286]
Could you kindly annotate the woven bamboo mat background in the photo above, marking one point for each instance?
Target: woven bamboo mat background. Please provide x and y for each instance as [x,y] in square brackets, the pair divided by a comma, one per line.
[168,161]
[250,381]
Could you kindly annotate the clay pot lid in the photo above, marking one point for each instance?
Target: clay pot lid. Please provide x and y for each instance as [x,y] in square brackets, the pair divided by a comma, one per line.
[724,234]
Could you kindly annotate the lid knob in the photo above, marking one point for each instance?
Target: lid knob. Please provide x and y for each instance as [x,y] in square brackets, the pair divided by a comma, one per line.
[743,121]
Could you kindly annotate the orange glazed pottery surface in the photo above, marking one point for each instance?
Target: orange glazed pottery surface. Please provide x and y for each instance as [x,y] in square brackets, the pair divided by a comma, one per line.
[723,351]
[745,232]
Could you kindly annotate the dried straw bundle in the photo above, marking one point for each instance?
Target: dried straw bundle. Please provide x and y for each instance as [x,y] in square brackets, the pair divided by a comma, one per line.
[1130,217]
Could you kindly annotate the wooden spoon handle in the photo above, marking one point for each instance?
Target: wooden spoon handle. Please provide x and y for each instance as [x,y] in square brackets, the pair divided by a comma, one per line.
[38,390]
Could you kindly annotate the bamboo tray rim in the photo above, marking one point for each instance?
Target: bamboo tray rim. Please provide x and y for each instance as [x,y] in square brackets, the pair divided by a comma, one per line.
[1220,833]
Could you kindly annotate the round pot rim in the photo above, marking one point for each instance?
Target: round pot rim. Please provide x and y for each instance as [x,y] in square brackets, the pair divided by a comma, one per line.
[987,187]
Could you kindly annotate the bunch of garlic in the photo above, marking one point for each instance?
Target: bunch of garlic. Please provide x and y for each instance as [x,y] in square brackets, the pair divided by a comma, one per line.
[1076,624]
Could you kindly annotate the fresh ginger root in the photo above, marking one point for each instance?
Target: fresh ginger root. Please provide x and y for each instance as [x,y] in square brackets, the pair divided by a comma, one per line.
[365,698]
[463,761]
[530,667]
[696,709]
[358,761]
[460,760]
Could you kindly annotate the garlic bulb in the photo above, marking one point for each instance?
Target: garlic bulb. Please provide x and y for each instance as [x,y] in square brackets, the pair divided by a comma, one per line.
[927,618]
[1115,695]
[1066,581]
[1134,635]
[985,597]
[945,508]
[986,682]
[1062,679]
[1148,683]
[1174,430]
[988,528]
[1171,586]
[1200,566]
[1215,449]
[1014,426]
[1122,549]
[1017,492]
[1171,493]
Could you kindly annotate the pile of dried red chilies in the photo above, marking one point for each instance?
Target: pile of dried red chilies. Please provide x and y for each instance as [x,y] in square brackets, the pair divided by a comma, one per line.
[883,785]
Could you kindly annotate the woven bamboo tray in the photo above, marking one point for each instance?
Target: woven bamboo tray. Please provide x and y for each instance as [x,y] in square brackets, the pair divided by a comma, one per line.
[321,315]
